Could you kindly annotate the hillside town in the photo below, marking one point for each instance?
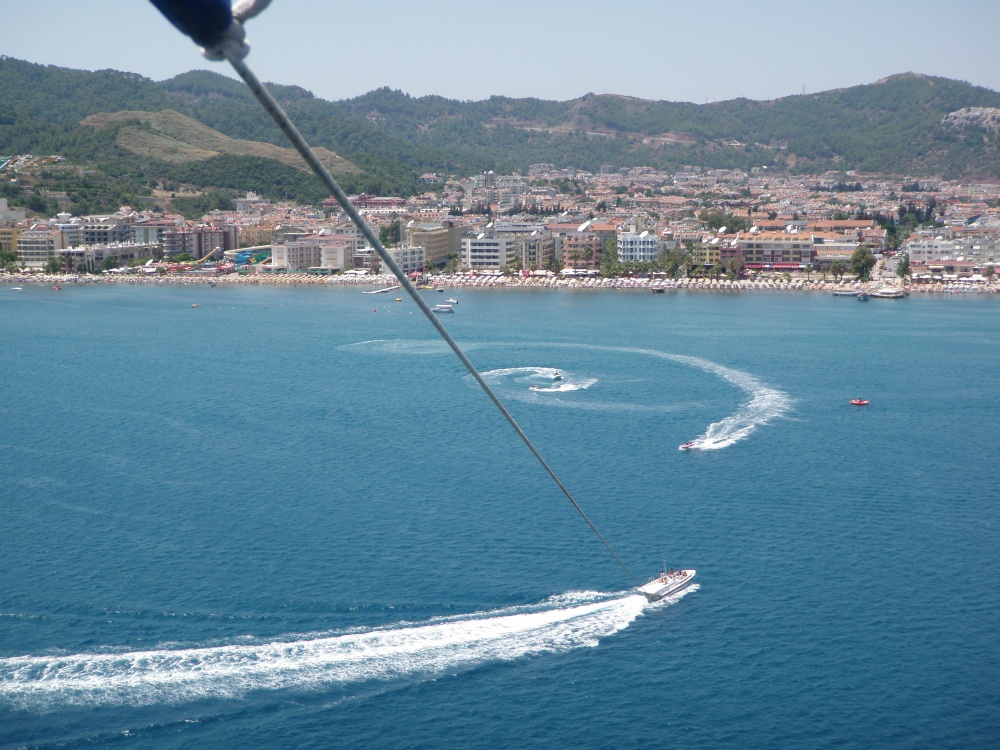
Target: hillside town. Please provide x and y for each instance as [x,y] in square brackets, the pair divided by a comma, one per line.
[550,223]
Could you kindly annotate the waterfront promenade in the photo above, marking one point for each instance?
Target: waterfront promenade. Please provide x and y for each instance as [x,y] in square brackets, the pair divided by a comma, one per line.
[504,282]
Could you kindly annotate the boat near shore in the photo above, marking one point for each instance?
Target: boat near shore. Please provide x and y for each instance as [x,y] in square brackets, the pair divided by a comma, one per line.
[888,292]
[384,290]
[667,583]
[845,294]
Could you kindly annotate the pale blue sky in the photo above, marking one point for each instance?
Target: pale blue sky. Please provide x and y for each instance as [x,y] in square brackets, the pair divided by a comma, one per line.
[666,50]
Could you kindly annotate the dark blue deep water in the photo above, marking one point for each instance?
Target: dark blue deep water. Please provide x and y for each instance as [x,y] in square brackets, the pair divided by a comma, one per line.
[283,520]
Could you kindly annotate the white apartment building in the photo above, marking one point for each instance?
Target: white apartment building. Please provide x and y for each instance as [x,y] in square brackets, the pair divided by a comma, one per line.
[38,244]
[69,225]
[91,257]
[408,258]
[981,251]
[483,253]
[644,247]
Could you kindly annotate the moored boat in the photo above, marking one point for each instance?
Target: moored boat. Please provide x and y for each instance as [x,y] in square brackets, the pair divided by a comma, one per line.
[859,402]
[889,293]
[667,583]
[442,309]
[845,294]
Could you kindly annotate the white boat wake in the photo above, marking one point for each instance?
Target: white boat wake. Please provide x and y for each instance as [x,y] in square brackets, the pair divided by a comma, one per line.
[540,379]
[762,405]
[318,661]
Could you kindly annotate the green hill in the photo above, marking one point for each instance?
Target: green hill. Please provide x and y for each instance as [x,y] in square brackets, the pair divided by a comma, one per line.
[907,124]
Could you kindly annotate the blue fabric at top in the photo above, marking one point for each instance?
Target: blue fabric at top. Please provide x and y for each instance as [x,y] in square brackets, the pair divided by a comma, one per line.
[202,20]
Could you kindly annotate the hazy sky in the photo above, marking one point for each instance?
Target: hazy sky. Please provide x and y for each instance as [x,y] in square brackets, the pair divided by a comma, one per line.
[653,49]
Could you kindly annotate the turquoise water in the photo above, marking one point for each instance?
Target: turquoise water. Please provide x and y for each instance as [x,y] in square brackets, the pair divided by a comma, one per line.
[284,520]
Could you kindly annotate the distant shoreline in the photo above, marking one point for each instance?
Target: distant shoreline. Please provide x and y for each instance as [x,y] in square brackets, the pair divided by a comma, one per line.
[493,282]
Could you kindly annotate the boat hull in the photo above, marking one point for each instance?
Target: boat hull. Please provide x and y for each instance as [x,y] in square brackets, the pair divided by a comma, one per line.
[666,585]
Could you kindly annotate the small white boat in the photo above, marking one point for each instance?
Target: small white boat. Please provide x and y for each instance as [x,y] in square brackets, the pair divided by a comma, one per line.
[888,293]
[15,289]
[669,582]
[451,301]
[557,376]
[442,309]
[383,290]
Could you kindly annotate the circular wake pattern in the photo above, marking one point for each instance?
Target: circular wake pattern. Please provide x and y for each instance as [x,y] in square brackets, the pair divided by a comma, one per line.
[536,384]
[561,623]
[538,379]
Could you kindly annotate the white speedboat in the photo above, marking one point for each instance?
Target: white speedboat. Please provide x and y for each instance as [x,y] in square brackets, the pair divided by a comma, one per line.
[669,582]
[451,301]
[442,309]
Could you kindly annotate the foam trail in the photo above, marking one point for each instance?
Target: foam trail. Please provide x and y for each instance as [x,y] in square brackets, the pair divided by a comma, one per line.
[765,403]
[47,683]
[537,377]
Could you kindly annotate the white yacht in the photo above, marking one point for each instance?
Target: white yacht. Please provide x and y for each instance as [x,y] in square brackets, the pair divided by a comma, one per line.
[669,582]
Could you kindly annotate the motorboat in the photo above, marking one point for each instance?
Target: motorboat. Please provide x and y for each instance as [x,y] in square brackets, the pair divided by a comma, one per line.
[398,299]
[532,387]
[859,402]
[864,297]
[451,301]
[442,309]
[845,294]
[667,583]
[686,446]
[889,292]
[557,376]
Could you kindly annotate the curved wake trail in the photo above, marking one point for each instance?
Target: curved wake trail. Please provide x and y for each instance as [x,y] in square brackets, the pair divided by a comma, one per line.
[765,403]
[46,683]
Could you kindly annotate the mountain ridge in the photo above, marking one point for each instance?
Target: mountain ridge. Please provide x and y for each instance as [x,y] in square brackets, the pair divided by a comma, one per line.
[908,124]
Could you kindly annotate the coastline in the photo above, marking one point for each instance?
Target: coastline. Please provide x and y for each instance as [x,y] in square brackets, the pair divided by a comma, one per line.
[503,282]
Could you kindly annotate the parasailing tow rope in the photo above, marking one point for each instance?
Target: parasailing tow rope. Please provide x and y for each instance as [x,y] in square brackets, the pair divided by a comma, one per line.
[218,28]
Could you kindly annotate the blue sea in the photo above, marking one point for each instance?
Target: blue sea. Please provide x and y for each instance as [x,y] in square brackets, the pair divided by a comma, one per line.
[288,518]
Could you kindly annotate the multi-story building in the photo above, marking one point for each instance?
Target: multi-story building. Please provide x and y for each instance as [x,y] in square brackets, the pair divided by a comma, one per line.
[644,247]
[199,242]
[152,230]
[71,226]
[36,245]
[8,237]
[440,240]
[482,253]
[783,250]
[92,257]
[408,258]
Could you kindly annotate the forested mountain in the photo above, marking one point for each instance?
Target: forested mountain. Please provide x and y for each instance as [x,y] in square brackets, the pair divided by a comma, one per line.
[906,124]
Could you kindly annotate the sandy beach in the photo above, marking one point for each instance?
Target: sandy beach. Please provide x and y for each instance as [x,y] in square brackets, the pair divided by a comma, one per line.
[502,282]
